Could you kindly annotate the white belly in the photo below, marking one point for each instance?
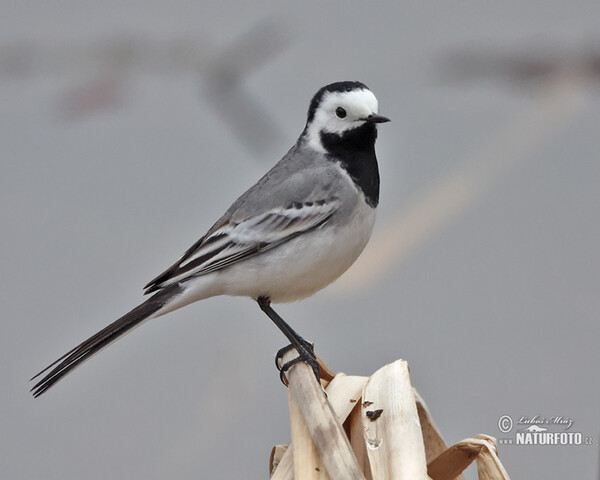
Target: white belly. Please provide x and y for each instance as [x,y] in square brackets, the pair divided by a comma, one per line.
[304,265]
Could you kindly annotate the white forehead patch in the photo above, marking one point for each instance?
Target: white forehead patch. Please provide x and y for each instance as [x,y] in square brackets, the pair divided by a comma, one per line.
[358,105]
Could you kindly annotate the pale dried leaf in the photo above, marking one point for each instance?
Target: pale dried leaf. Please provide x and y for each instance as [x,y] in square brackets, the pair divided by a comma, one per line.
[432,437]
[459,456]
[358,441]
[276,455]
[391,423]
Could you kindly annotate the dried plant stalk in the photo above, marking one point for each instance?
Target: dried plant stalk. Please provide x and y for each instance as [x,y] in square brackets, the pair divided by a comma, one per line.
[358,440]
[277,453]
[434,443]
[285,469]
[458,457]
[343,393]
[323,425]
[391,423]
[432,437]
[392,432]
[489,466]
[307,463]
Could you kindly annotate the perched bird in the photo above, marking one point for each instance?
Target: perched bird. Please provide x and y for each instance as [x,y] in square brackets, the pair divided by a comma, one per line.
[291,234]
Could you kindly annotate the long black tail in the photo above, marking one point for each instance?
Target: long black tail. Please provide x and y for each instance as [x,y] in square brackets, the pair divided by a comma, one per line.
[103,338]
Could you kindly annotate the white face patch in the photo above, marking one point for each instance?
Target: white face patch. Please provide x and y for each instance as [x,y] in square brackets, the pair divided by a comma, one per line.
[357,104]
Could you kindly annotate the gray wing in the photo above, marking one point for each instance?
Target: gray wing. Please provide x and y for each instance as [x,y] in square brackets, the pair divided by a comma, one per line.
[297,195]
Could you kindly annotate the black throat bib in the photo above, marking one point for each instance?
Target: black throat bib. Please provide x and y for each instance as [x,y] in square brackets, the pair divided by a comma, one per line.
[355,150]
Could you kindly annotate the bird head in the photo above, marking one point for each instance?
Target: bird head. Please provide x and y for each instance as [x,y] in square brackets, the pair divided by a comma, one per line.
[341,109]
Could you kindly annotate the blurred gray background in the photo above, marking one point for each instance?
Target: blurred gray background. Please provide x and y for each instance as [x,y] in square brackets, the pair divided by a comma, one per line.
[128,127]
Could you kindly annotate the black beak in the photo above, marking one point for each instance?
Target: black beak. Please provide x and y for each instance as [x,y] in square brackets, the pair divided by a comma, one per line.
[376,119]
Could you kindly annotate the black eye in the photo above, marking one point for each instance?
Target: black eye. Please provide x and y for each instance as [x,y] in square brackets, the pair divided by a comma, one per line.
[340,112]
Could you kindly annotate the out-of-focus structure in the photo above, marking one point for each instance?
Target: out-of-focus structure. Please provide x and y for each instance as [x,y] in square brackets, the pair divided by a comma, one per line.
[110,65]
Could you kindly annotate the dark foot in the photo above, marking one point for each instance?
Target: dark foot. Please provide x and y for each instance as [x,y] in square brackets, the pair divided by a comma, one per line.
[305,349]
[306,354]
[282,351]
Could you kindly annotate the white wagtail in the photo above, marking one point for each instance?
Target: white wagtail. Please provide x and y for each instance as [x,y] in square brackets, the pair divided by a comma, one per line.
[291,234]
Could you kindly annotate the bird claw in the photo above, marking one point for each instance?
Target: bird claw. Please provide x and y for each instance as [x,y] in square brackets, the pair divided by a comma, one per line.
[305,354]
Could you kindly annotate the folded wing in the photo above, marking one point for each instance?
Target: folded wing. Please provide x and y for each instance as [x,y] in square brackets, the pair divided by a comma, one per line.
[233,242]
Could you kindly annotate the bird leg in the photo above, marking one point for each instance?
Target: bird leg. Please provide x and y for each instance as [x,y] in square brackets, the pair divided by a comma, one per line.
[305,349]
